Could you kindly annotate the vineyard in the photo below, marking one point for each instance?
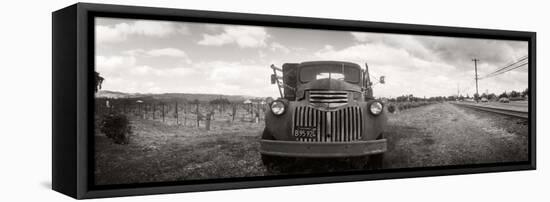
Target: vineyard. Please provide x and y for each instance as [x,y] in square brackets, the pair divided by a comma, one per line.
[396,106]
[176,139]
[181,112]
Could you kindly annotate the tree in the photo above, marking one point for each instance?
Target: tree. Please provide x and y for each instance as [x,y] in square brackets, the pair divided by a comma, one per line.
[98,81]
[195,102]
[525,92]
[218,101]
[514,94]
[491,96]
[503,95]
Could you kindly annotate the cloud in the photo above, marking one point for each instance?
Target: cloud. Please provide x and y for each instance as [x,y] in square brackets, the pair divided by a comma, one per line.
[405,72]
[373,54]
[428,65]
[144,70]
[460,51]
[274,46]
[155,57]
[125,73]
[162,52]
[236,78]
[184,30]
[112,63]
[408,43]
[172,52]
[243,36]
[121,31]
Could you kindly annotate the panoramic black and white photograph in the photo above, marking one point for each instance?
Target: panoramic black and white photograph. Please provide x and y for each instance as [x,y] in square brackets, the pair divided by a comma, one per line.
[183,101]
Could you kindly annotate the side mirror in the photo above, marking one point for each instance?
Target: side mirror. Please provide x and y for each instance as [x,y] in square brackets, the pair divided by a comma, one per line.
[273,79]
[382,79]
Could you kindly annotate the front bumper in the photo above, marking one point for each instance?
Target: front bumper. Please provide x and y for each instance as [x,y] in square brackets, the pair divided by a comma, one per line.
[322,149]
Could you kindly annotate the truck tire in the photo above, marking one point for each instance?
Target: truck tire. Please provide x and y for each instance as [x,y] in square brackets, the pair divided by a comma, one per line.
[266,135]
[376,161]
[358,163]
[270,162]
[278,164]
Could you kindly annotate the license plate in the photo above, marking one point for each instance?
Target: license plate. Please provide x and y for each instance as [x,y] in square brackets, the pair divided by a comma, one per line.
[305,132]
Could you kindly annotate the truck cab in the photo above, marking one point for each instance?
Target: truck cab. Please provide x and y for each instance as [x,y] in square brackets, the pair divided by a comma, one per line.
[326,109]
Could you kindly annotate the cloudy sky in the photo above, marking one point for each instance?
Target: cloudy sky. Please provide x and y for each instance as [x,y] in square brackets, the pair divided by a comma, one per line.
[143,56]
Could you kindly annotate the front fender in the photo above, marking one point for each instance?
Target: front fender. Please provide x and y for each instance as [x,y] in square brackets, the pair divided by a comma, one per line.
[280,126]
[373,125]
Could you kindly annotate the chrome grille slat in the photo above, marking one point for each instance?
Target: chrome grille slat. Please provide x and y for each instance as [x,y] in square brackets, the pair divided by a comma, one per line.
[346,125]
[334,96]
[328,100]
[343,125]
[328,96]
[353,126]
[336,125]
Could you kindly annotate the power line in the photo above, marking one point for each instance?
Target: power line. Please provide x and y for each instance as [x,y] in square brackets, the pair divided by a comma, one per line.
[512,63]
[520,65]
[506,68]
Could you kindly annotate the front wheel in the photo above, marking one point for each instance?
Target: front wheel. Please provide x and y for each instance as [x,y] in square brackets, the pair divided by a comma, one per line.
[268,161]
[376,161]
[271,163]
[277,164]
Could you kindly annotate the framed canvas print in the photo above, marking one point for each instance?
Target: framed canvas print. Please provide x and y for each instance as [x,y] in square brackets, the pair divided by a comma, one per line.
[156,100]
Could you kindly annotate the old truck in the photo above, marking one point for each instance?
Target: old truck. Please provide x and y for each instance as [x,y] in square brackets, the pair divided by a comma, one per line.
[326,110]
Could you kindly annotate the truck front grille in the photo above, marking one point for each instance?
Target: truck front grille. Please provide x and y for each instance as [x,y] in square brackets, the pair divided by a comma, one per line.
[328,97]
[343,125]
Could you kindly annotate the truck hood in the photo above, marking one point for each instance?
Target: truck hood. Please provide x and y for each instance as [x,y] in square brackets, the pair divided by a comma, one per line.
[326,84]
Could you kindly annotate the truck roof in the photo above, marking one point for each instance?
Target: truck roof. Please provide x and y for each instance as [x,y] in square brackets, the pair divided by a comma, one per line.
[329,62]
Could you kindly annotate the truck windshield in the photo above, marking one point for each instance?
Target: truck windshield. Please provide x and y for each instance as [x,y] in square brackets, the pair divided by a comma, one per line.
[338,72]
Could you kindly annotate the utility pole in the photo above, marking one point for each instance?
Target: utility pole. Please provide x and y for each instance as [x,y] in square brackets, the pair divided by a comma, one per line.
[457,91]
[475,66]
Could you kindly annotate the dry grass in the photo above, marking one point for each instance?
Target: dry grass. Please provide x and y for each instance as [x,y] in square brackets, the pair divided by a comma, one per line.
[158,153]
[443,134]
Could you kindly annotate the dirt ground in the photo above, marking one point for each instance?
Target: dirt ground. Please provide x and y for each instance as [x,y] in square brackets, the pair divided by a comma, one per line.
[159,153]
[437,134]
[445,134]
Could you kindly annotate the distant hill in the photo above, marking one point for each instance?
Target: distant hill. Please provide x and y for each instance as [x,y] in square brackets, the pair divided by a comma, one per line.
[114,94]
[172,96]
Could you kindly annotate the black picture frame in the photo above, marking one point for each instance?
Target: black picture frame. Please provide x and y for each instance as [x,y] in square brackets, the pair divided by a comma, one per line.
[73,93]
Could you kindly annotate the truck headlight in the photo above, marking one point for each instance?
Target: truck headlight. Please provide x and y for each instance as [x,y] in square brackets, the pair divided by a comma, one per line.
[375,108]
[277,107]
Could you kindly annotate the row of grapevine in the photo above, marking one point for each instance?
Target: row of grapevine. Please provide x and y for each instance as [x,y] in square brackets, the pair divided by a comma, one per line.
[401,106]
[186,114]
